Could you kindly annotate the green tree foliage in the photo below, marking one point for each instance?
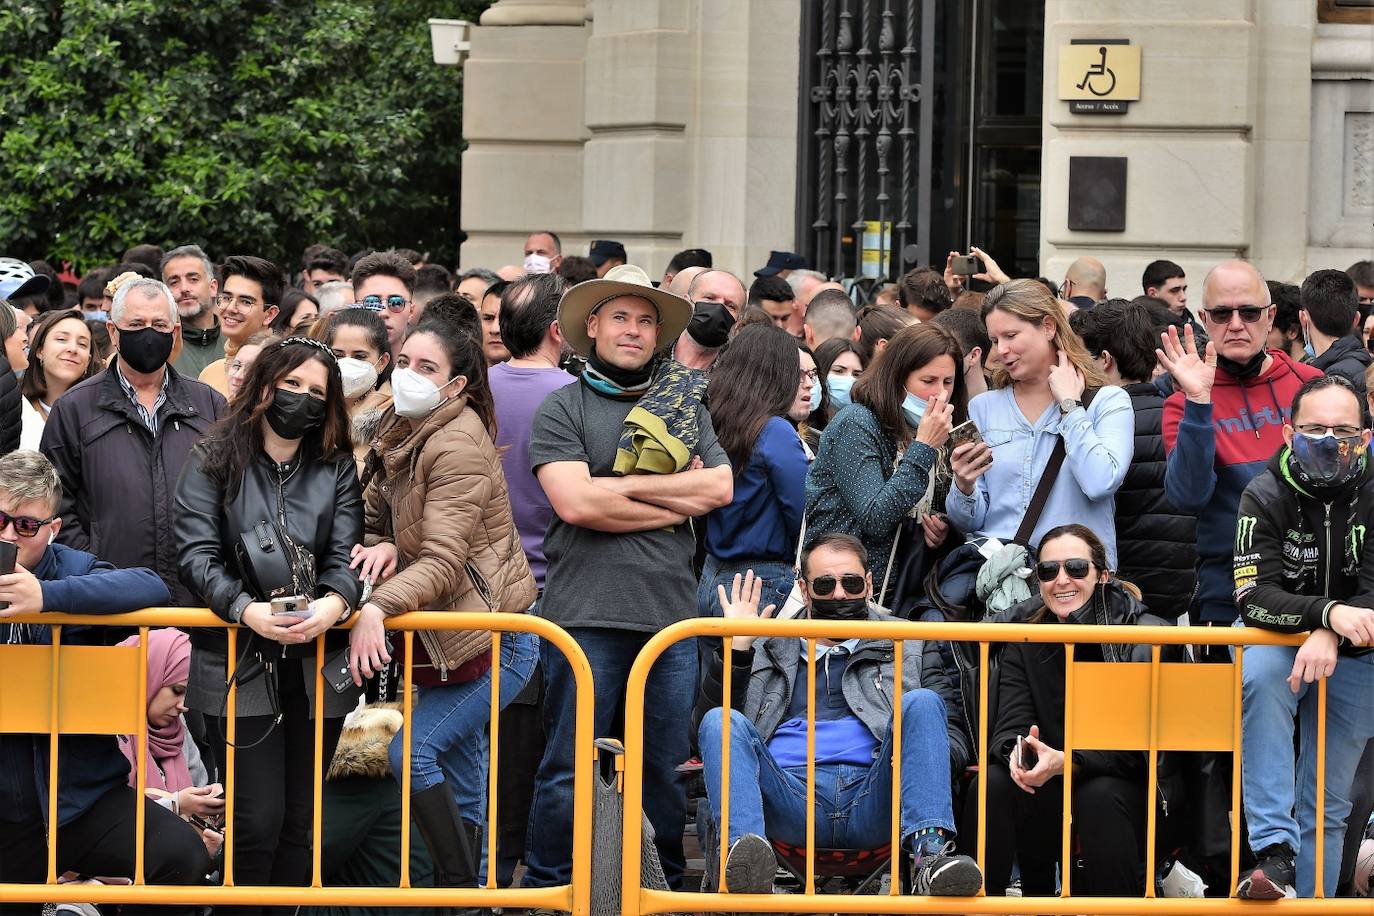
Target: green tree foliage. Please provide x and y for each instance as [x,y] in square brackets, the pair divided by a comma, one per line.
[244,125]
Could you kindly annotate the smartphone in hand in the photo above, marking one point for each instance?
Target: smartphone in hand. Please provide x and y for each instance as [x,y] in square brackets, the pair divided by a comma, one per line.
[292,606]
[963,434]
[1026,756]
[9,555]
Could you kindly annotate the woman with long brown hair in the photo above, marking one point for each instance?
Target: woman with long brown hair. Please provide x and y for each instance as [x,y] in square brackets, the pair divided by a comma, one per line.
[59,358]
[278,466]
[753,390]
[879,456]
[441,537]
[1038,396]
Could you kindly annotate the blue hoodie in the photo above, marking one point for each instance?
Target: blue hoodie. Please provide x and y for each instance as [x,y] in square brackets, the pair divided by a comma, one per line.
[88,766]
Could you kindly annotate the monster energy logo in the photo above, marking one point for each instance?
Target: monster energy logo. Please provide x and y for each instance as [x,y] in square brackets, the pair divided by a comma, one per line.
[1245,533]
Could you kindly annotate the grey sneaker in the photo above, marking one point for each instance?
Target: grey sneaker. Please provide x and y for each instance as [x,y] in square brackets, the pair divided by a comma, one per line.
[945,874]
[750,866]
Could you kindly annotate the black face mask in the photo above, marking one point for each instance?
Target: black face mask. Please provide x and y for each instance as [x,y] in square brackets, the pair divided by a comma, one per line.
[292,414]
[145,350]
[710,325]
[1242,371]
[839,608]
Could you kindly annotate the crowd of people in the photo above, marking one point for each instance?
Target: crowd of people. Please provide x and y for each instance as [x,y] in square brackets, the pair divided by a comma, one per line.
[573,439]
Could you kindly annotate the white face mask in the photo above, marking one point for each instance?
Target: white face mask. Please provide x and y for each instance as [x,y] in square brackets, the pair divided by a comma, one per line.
[414,396]
[358,376]
[537,264]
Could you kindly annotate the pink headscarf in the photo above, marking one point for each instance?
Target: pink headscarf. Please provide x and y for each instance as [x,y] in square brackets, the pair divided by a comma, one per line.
[169,662]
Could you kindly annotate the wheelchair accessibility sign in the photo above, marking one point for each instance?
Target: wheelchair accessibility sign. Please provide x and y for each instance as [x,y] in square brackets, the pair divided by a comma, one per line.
[1099,75]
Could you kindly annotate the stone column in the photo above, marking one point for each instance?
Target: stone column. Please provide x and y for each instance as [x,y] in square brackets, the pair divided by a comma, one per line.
[1341,214]
[640,96]
[523,121]
[742,144]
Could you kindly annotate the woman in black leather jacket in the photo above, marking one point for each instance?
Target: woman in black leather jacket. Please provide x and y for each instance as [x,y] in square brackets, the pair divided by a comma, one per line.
[1025,804]
[281,457]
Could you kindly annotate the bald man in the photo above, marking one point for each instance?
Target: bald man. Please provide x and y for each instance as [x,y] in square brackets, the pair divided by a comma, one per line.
[1085,282]
[1225,422]
[682,280]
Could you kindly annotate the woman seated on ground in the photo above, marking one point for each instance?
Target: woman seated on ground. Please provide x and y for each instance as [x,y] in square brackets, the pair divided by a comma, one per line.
[1025,793]
[173,772]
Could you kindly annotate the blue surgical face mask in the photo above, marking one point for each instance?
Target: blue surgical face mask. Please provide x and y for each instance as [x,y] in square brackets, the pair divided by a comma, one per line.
[97,315]
[1307,342]
[815,396]
[914,408]
[840,386]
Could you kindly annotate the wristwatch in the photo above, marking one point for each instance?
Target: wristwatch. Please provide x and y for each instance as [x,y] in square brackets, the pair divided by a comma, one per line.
[1068,405]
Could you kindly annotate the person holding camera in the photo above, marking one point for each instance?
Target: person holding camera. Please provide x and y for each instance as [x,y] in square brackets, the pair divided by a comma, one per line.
[438,510]
[1026,763]
[278,470]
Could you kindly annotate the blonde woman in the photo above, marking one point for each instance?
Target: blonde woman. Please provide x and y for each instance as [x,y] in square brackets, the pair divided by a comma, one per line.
[1038,397]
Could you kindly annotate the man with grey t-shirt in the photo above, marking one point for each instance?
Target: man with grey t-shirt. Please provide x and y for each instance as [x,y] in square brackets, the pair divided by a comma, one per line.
[619,552]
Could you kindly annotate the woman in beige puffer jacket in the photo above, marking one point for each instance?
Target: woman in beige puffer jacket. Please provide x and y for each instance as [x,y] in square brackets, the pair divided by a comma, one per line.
[441,537]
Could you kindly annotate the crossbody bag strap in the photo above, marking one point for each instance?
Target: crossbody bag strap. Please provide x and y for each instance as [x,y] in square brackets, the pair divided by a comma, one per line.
[1046,483]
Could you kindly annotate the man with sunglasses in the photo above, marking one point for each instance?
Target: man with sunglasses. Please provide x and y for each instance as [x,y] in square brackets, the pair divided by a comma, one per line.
[384,282]
[1224,422]
[1303,564]
[854,687]
[94,821]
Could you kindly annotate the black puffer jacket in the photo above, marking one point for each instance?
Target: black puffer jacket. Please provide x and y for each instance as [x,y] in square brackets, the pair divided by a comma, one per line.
[317,502]
[11,411]
[1347,357]
[117,477]
[1156,543]
[951,668]
[1028,687]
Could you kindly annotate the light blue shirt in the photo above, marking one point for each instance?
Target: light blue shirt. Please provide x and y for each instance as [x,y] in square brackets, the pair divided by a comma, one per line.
[1099,442]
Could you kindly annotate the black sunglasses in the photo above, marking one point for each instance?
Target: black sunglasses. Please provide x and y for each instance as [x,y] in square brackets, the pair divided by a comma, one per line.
[1222,313]
[25,526]
[853,584]
[1048,570]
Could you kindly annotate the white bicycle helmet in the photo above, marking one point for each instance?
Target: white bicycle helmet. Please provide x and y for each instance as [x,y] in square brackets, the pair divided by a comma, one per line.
[18,279]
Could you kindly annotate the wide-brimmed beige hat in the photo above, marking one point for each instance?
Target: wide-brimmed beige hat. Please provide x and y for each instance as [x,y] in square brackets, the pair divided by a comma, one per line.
[626,280]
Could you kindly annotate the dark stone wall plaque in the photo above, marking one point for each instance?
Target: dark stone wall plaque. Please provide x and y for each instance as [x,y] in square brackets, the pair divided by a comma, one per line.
[1097,193]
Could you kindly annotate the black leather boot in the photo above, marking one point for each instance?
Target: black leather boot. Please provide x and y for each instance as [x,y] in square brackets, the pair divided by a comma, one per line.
[450,840]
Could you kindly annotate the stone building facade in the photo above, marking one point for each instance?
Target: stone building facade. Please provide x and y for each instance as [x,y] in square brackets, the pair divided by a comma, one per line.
[668,124]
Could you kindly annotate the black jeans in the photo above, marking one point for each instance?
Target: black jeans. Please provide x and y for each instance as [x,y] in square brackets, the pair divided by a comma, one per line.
[273,786]
[100,843]
[1108,818]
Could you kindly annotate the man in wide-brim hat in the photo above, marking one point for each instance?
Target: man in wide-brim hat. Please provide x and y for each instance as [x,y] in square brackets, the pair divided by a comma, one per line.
[619,549]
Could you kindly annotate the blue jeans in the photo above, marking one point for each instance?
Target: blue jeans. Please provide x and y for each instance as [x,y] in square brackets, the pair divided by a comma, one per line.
[669,696]
[448,725]
[853,803]
[778,578]
[1267,767]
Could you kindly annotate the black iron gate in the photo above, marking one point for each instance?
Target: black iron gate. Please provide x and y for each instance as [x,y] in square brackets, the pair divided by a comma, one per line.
[866,135]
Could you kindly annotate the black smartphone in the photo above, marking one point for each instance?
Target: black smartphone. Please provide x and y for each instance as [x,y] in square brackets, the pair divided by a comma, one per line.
[966,265]
[202,824]
[336,673]
[9,555]
[1026,754]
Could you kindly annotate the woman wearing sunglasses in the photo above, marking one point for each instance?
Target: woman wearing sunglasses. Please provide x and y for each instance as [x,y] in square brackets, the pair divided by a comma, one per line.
[880,457]
[1025,787]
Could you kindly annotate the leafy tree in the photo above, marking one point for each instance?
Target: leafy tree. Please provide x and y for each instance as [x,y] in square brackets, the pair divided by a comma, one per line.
[248,126]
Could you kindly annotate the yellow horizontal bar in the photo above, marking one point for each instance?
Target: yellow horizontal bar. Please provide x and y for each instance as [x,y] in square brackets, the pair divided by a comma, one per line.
[202,617]
[967,632]
[558,898]
[668,902]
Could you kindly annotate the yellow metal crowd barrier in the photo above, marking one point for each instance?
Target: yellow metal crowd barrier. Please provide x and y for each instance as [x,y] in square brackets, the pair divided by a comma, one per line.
[98,690]
[1156,707]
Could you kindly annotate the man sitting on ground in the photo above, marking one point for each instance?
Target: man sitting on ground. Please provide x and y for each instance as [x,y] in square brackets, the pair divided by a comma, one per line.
[853,711]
